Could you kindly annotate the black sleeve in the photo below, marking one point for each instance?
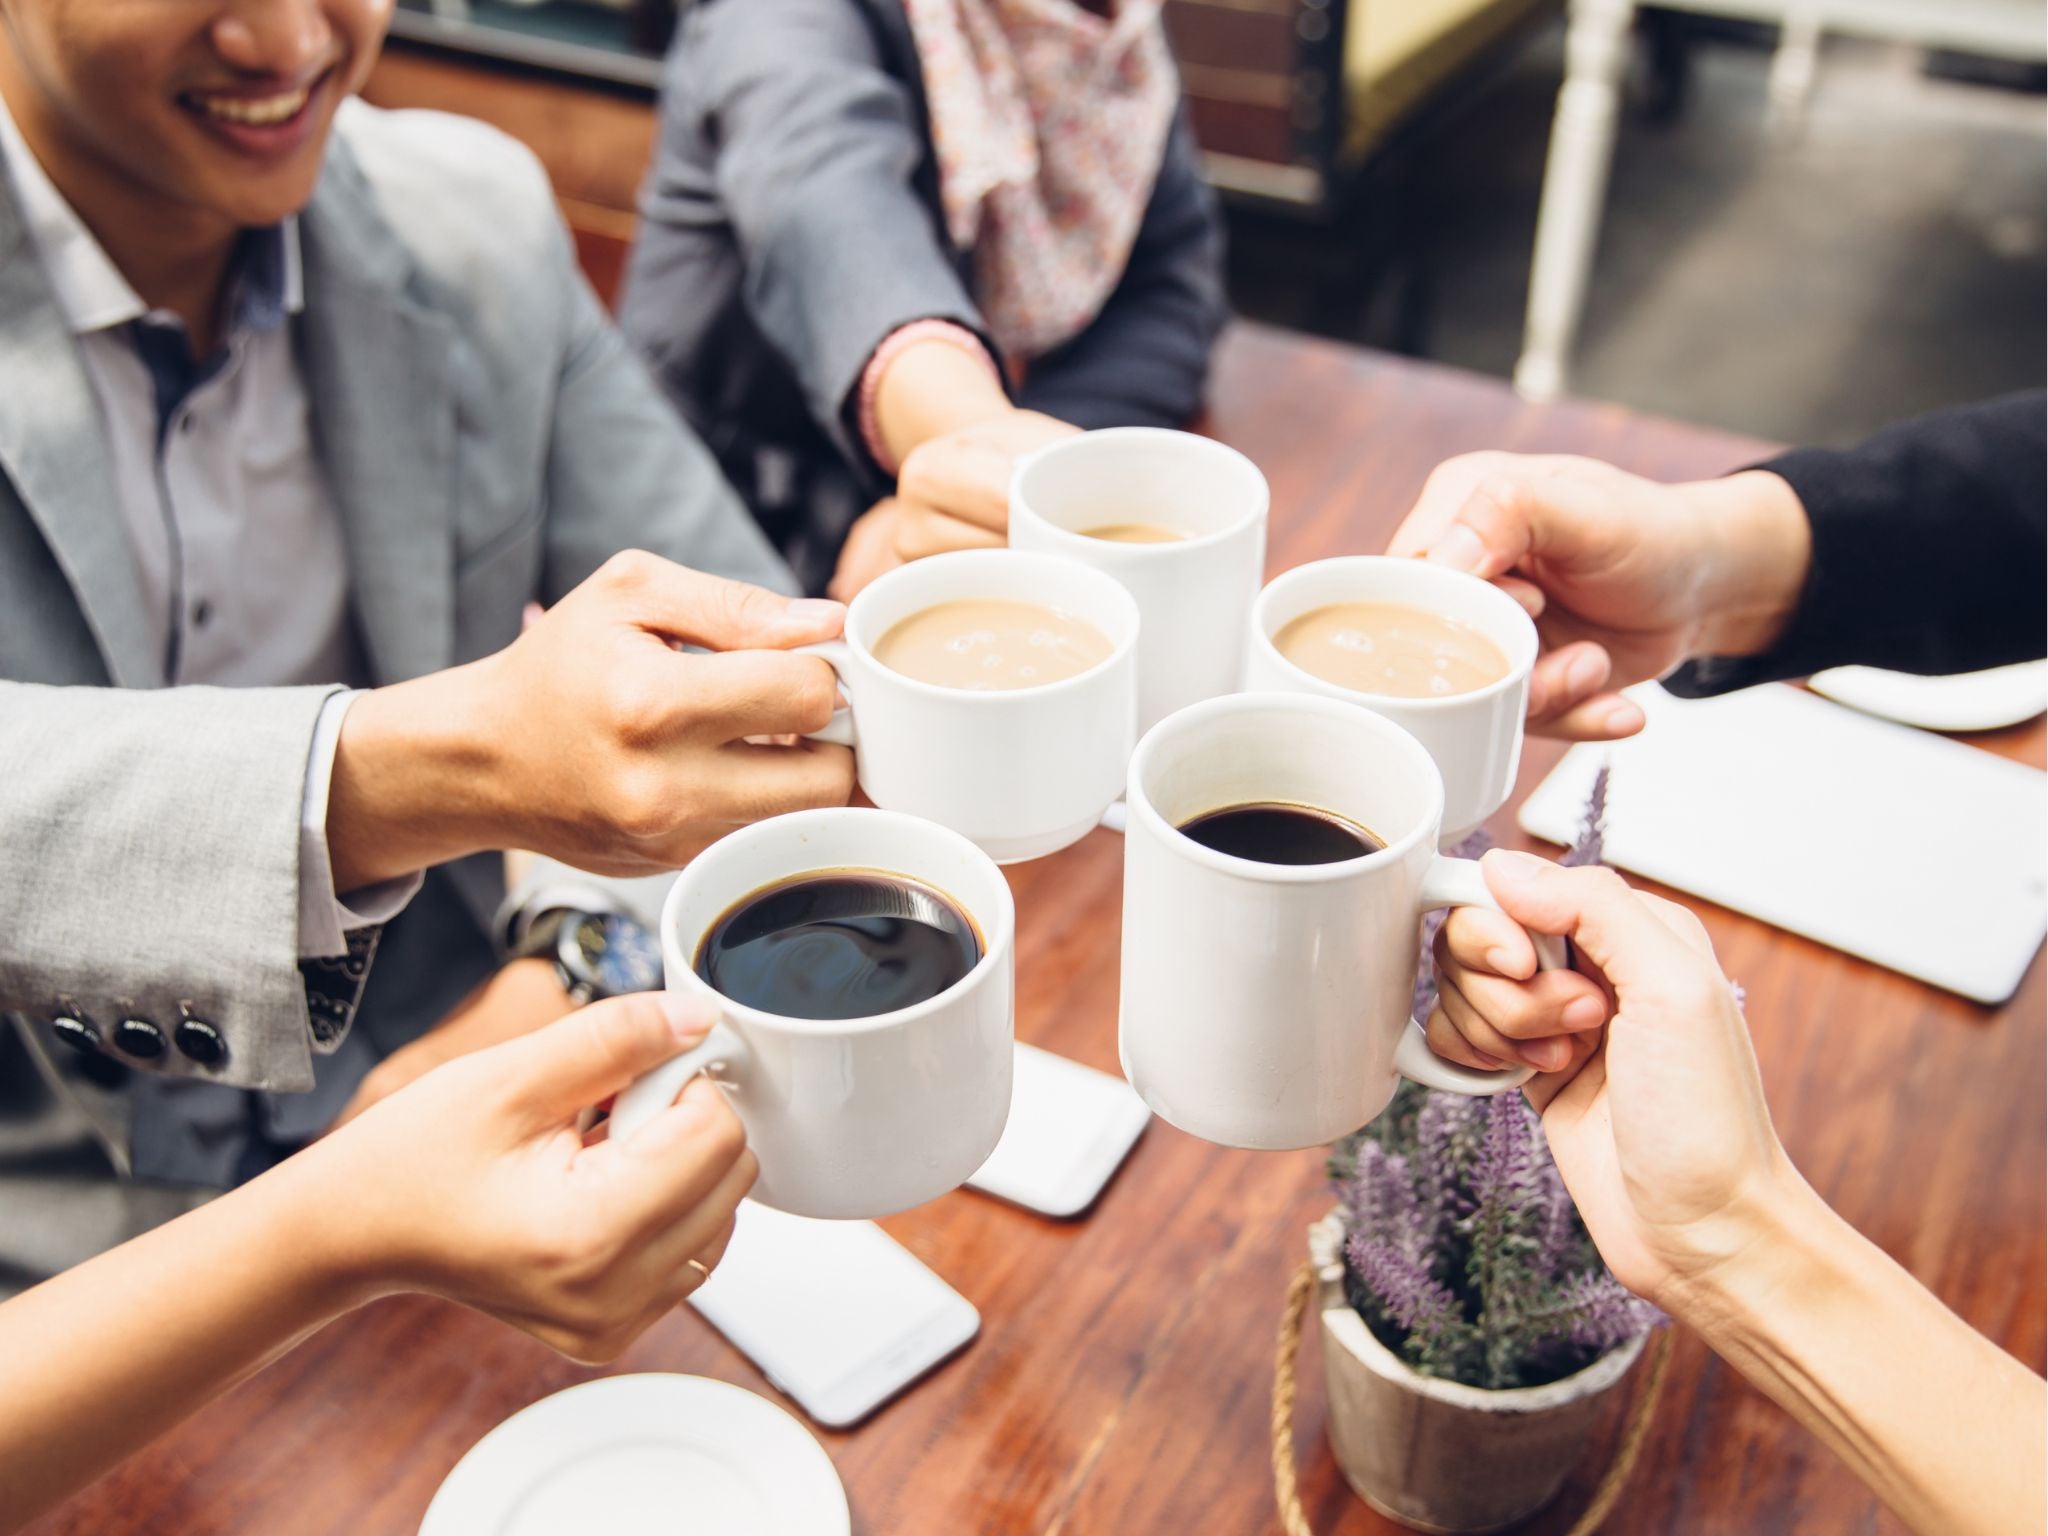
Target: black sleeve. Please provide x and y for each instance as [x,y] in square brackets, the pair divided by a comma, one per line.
[1930,551]
[1144,360]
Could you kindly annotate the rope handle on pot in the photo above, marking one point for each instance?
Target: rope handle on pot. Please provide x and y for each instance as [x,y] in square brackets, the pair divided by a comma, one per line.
[1286,1487]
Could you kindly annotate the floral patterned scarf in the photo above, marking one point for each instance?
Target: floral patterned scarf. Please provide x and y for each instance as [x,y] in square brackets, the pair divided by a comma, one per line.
[1049,123]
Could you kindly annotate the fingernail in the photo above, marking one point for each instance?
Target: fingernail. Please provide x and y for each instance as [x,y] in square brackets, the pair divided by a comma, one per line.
[1499,962]
[1585,673]
[1459,548]
[1583,1013]
[689,1019]
[1489,1063]
[815,612]
[1514,865]
[1546,1055]
[1624,719]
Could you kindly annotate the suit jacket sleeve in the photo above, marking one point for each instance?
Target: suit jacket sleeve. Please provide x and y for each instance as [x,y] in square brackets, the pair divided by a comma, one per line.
[1144,359]
[818,150]
[625,472]
[149,853]
[1929,542]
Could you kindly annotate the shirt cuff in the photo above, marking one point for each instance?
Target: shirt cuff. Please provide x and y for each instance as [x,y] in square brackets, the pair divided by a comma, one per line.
[893,346]
[325,918]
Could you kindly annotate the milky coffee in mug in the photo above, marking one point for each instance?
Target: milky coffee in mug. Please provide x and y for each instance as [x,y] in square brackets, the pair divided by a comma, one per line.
[1391,649]
[988,644]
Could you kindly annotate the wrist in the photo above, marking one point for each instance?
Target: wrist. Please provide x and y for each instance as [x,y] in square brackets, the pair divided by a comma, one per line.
[414,770]
[1773,1249]
[1754,549]
[330,1263]
[926,389]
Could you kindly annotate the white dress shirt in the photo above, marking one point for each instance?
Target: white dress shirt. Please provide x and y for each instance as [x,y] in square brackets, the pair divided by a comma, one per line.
[235,537]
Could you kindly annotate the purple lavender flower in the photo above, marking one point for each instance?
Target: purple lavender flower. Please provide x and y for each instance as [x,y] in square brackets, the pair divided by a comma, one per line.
[1412,1298]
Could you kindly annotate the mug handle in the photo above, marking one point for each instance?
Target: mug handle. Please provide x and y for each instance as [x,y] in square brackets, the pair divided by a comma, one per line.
[1461,883]
[838,731]
[645,1097]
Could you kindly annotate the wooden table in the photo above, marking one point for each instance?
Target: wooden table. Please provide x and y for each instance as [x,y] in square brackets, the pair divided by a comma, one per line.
[1119,1386]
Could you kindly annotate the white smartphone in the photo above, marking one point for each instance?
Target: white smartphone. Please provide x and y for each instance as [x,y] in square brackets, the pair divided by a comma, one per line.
[1070,1128]
[837,1314]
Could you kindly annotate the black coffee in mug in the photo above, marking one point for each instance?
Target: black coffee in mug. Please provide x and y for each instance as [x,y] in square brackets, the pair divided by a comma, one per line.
[847,944]
[1275,832]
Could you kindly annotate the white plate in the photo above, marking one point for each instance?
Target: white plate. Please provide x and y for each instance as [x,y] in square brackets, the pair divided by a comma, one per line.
[1964,701]
[648,1455]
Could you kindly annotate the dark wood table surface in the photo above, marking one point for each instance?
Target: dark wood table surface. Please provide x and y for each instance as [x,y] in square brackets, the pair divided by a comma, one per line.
[1119,1385]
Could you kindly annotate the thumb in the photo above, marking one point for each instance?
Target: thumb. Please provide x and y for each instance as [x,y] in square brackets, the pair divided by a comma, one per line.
[1610,924]
[596,1051]
[1497,526]
[721,615]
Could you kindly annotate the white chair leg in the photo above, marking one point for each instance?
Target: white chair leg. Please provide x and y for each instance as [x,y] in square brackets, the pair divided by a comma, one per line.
[1792,70]
[1574,189]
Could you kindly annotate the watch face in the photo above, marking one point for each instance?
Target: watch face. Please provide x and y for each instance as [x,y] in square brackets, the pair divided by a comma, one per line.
[619,954]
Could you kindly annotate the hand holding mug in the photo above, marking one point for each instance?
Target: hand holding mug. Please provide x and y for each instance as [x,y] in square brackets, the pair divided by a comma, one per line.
[1626,577]
[475,1183]
[592,737]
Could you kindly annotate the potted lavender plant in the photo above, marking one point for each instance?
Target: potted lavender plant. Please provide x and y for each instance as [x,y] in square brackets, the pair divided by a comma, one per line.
[1470,1329]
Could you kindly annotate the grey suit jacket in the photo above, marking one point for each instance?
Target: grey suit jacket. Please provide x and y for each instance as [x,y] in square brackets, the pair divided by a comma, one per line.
[488,439]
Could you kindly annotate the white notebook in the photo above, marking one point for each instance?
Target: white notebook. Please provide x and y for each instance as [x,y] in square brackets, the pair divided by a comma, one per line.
[1909,850]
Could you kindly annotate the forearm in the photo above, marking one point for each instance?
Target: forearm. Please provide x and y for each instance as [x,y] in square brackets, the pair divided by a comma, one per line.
[414,772]
[1941,1424]
[91,1377]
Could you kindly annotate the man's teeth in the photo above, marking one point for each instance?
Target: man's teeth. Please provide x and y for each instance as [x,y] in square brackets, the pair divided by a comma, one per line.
[256,111]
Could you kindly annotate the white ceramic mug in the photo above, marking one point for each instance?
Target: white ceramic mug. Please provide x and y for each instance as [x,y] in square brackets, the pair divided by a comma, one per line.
[1021,771]
[1475,737]
[1267,1005]
[1193,593]
[852,1117]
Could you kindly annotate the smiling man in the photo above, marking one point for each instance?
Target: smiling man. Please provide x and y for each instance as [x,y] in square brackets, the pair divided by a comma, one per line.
[301,404]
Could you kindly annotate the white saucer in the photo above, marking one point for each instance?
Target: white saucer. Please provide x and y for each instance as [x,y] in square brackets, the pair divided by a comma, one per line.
[1965,701]
[644,1456]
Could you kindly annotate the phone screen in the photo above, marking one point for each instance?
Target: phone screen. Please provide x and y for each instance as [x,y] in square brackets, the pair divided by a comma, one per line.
[837,1314]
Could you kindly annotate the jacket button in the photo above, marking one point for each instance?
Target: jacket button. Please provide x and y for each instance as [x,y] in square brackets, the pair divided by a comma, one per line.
[76,1033]
[202,1042]
[139,1037]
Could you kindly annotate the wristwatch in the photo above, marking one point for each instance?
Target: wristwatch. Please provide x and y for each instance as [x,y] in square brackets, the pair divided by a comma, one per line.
[596,954]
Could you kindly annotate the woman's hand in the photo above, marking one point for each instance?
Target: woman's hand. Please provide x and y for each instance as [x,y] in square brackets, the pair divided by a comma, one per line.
[476,1184]
[1626,577]
[1660,1127]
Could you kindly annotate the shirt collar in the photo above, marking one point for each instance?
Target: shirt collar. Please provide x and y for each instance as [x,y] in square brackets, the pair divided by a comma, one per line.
[267,279]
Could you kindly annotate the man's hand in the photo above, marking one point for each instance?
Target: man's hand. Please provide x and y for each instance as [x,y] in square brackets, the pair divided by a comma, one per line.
[1625,577]
[521,997]
[592,737]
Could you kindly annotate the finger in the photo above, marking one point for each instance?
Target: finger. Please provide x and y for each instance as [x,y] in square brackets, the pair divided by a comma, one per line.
[1566,677]
[682,1174]
[1447,1042]
[1527,593]
[734,694]
[1609,923]
[1551,1003]
[922,531]
[1577,1084]
[1494,531]
[1446,489]
[681,604]
[595,1051]
[767,781]
[1546,1053]
[1479,938]
[963,479]
[1604,717]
